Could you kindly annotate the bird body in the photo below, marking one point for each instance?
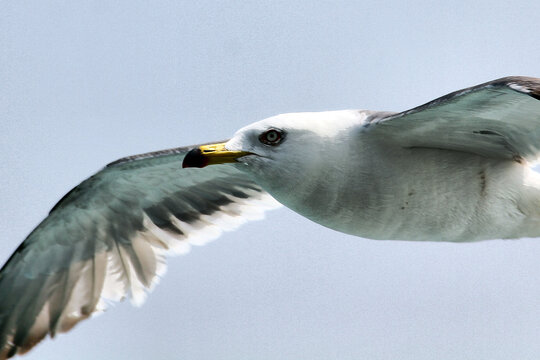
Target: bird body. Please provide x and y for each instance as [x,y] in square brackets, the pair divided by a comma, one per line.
[424,195]
[457,168]
[382,191]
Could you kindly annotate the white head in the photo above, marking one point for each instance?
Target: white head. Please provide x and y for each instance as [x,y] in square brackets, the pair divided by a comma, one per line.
[287,148]
[289,153]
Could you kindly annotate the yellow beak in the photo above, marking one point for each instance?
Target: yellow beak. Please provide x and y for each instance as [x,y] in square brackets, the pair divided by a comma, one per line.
[210,155]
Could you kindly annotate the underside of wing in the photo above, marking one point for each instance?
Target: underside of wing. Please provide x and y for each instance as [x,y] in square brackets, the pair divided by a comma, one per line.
[499,119]
[108,238]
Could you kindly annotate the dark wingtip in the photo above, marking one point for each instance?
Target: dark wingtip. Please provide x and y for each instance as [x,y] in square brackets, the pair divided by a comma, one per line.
[194,158]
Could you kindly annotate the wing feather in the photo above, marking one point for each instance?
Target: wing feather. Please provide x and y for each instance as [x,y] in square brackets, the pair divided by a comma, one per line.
[108,238]
[499,119]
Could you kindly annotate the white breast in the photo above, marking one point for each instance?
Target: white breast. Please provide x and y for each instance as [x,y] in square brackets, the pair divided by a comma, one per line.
[417,194]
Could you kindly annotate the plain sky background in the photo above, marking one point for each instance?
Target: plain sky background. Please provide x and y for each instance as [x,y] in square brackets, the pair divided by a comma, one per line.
[84,83]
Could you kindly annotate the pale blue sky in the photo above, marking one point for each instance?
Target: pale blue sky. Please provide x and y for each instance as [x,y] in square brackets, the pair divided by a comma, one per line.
[82,84]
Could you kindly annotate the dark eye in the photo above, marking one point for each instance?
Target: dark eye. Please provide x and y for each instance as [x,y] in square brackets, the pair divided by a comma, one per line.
[271,137]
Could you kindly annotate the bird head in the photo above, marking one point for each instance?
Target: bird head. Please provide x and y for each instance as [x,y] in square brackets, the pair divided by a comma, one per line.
[285,152]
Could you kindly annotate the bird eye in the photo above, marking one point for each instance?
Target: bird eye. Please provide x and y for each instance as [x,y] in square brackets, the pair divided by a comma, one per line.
[271,137]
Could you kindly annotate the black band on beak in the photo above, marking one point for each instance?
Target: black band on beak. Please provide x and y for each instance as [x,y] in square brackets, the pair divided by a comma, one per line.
[195,158]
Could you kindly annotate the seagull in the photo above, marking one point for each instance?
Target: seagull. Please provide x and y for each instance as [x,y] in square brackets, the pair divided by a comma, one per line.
[456,169]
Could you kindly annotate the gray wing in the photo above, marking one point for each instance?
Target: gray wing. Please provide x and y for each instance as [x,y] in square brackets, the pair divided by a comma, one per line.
[108,239]
[499,119]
